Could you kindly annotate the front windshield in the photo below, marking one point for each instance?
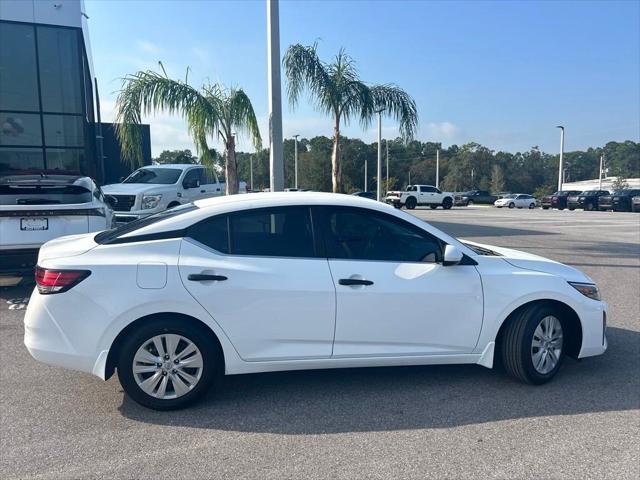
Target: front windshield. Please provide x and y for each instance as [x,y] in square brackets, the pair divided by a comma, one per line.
[162,176]
[510,196]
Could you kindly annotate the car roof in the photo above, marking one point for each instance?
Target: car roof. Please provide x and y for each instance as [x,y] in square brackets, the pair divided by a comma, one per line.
[177,166]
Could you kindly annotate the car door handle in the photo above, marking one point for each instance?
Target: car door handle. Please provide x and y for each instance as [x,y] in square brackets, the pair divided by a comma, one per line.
[354,281]
[203,277]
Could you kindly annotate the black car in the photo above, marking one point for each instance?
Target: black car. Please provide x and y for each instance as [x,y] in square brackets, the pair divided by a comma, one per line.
[369,195]
[558,200]
[475,196]
[618,201]
[587,200]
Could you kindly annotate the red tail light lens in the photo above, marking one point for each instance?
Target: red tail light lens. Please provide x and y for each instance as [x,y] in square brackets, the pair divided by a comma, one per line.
[58,281]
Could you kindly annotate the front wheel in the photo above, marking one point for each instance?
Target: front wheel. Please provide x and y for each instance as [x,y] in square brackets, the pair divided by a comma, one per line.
[167,364]
[470,203]
[512,205]
[433,207]
[532,345]
[532,206]
[545,208]
[588,207]
[447,203]
[411,203]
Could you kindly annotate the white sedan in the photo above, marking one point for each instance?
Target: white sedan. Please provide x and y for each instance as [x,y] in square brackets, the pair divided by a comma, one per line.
[516,200]
[271,281]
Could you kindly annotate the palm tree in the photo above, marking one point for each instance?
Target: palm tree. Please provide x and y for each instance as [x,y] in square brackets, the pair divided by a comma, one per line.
[211,111]
[338,91]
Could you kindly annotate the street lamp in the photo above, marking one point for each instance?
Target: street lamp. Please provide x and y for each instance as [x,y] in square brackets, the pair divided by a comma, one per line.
[276,164]
[438,168]
[379,178]
[561,166]
[295,161]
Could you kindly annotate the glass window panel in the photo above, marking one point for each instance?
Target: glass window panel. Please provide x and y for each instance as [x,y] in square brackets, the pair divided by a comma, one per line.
[68,160]
[17,159]
[18,73]
[20,129]
[59,70]
[212,232]
[63,131]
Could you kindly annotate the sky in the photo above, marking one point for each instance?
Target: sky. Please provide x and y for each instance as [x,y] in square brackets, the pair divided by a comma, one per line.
[500,73]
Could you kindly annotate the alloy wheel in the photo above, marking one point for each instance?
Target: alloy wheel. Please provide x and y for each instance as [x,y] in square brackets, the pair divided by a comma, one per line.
[167,366]
[546,345]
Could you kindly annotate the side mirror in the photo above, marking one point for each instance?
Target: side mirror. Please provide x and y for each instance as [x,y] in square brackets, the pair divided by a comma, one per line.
[121,179]
[111,201]
[452,256]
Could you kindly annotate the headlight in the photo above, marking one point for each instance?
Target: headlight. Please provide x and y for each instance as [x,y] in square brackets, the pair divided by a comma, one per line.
[150,201]
[587,289]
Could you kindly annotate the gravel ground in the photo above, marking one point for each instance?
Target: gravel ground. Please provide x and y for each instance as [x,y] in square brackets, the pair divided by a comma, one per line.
[411,422]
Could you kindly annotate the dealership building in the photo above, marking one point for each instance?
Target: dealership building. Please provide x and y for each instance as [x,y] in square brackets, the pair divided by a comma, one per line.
[48,103]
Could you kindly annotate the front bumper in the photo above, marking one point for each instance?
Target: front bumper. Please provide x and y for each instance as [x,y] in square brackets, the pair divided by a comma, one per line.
[594,331]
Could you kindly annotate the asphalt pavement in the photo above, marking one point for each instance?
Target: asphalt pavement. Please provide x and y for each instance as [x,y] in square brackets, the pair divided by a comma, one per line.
[408,422]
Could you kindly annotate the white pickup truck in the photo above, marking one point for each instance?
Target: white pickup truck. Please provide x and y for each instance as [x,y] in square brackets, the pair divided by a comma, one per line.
[155,188]
[415,195]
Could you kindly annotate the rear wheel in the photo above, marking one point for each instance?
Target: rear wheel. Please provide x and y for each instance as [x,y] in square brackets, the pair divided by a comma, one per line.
[433,207]
[532,206]
[166,365]
[532,345]
[572,208]
[512,205]
[545,208]
[588,207]
[447,203]
[411,203]
[470,203]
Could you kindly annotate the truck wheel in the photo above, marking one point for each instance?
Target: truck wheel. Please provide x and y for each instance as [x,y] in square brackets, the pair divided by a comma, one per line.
[588,207]
[447,203]
[433,207]
[411,203]
[397,205]
[173,204]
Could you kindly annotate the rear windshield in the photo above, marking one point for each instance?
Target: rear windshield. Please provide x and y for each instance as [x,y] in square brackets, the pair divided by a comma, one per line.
[109,236]
[43,194]
[162,176]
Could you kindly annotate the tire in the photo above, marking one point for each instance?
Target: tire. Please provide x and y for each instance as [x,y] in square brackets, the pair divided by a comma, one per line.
[545,208]
[571,209]
[589,207]
[512,205]
[447,203]
[560,208]
[470,203]
[181,333]
[411,203]
[433,207]
[524,360]
[397,205]
[532,206]
[173,204]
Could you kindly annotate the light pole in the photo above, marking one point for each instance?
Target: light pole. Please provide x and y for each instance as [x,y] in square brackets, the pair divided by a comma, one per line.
[366,161]
[386,142]
[276,163]
[379,177]
[251,170]
[601,169]
[438,168]
[295,161]
[561,165]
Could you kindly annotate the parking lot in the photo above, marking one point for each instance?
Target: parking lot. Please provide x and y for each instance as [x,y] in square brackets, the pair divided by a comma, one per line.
[409,422]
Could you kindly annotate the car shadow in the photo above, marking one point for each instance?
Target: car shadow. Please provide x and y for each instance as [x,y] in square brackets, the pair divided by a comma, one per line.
[376,399]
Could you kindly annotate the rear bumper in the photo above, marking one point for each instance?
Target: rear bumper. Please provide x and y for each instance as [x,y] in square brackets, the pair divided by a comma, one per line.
[19,262]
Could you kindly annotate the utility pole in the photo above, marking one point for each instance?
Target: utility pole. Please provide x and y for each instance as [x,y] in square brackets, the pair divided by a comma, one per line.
[295,161]
[251,170]
[366,161]
[379,177]
[561,165]
[601,169]
[438,168]
[276,163]
[387,144]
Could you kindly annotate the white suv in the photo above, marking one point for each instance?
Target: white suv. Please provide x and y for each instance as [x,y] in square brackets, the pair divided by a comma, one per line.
[155,188]
[37,208]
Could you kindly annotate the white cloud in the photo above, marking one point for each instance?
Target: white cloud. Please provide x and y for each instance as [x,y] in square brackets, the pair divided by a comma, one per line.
[441,132]
[148,47]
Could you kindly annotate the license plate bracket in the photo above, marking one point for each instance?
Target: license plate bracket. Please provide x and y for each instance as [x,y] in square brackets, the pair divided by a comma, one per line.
[34,224]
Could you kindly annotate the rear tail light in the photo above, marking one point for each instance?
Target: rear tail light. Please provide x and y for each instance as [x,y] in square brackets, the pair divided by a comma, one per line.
[58,281]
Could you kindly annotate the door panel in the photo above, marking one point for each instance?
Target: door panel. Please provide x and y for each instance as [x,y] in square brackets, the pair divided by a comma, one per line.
[404,301]
[410,309]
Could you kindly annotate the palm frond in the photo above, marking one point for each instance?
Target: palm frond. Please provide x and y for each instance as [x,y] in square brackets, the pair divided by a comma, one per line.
[398,104]
[242,117]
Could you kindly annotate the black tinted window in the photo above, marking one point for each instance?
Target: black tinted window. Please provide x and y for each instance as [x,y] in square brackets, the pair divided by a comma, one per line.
[212,232]
[359,234]
[193,174]
[164,176]
[277,232]
[427,189]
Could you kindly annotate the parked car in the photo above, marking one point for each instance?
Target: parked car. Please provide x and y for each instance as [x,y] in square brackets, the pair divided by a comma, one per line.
[618,201]
[558,199]
[635,204]
[587,200]
[35,208]
[221,285]
[369,195]
[475,196]
[155,188]
[516,200]
[416,195]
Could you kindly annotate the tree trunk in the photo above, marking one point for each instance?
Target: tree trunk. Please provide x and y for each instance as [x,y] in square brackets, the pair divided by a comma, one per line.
[336,170]
[231,168]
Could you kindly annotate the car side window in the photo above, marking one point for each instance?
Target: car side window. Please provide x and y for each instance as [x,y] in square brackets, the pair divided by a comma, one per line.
[208,177]
[272,232]
[212,232]
[360,234]
[193,174]
[412,188]
[427,189]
